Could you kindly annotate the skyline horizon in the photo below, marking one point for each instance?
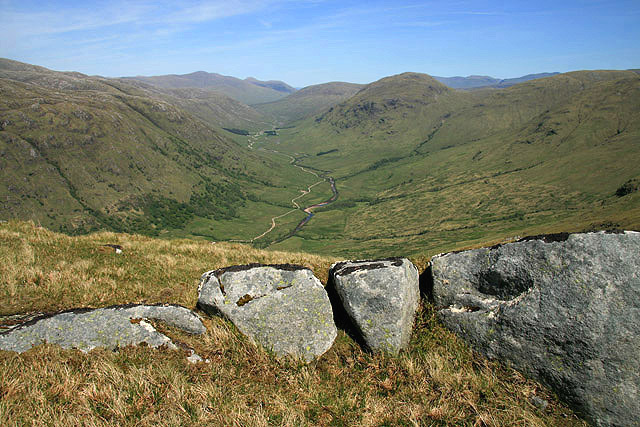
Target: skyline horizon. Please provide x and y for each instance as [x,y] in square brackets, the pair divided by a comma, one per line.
[325,82]
[309,41]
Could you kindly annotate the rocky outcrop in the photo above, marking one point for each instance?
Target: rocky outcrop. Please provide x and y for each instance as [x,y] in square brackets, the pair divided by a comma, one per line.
[564,309]
[111,327]
[381,298]
[285,308]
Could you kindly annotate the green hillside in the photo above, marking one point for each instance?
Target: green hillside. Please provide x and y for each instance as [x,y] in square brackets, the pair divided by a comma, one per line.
[82,153]
[308,101]
[421,167]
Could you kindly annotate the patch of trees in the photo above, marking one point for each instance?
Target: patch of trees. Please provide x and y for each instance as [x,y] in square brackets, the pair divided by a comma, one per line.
[628,187]
[382,162]
[237,131]
[322,153]
[217,200]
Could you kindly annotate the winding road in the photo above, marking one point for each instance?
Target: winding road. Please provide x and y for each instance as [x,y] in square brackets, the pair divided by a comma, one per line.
[309,209]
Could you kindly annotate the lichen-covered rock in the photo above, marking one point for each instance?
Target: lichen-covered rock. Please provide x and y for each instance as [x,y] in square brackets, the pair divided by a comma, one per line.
[285,308]
[109,327]
[381,298]
[564,309]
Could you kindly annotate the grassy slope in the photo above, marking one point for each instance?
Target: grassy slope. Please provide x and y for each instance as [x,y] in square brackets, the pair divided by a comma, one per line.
[426,169]
[80,153]
[308,101]
[438,381]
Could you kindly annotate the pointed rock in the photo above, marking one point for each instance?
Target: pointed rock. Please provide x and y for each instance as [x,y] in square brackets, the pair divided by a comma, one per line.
[284,308]
[564,309]
[381,298]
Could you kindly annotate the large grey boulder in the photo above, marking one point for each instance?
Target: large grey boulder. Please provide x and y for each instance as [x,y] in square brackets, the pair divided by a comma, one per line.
[381,298]
[564,309]
[284,308]
[110,327]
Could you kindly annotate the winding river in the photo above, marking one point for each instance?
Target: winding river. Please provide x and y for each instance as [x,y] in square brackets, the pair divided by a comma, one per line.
[308,209]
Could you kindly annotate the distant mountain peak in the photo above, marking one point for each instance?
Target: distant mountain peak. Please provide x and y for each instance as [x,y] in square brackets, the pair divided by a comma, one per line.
[246,91]
[278,85]
[477,81]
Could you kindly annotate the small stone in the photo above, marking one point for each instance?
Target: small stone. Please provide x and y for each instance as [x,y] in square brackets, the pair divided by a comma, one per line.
[381,298]
[195,358]
[538,402]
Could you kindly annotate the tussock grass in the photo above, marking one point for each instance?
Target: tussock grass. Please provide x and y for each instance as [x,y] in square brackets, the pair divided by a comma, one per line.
[44,271]
[438,381]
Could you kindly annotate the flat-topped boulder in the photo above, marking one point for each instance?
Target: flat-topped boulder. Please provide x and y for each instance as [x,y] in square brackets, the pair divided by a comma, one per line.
[381,298]
[110,327]
[564,309]
[284,308]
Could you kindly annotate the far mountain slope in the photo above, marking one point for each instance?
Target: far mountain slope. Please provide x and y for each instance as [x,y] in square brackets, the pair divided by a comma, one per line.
[308,101]
[211,106]
[244,91]
[273,84]
[474,82]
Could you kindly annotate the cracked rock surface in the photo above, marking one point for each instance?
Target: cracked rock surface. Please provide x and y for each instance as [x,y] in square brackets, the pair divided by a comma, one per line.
[563,309]
[381,298]
[284,308]
[110,327]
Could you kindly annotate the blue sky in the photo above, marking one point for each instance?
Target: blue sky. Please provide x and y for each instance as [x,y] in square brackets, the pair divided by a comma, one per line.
[314,41]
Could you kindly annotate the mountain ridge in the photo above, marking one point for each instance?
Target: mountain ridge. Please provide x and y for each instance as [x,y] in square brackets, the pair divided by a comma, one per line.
[476,82]
[245,91]
[308,101]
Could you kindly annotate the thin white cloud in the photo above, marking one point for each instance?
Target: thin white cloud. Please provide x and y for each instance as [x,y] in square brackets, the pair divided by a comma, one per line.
[469,12]
[209,11]
[14,21]
[422,24]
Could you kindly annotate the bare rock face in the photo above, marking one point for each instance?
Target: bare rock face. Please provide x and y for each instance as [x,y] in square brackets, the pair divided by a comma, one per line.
[564,309]
[284,308]
[381,298]
[111,327]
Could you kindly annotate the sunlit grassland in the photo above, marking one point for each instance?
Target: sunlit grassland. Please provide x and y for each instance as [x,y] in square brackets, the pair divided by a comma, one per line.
[545,156]
[438,381]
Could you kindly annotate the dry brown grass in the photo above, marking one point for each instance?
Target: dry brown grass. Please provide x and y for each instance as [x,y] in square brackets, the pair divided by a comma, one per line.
[439,381]
[45,271]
